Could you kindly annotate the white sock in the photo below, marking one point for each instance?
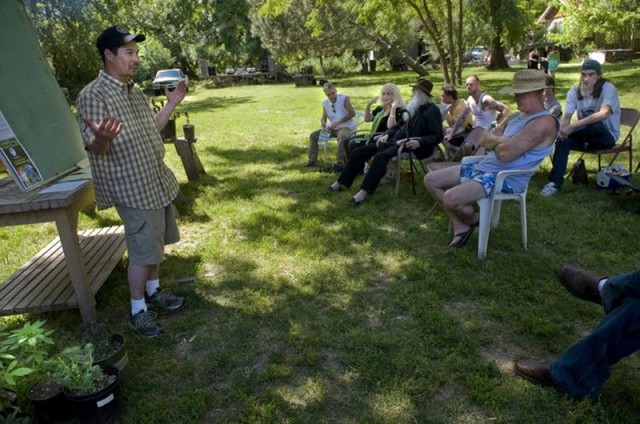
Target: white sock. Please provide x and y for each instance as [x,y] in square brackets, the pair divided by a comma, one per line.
[601,284]
[138,305]
[152,287]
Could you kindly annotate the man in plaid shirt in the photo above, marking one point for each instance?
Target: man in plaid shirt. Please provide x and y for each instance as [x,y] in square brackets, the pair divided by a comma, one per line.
[126,151]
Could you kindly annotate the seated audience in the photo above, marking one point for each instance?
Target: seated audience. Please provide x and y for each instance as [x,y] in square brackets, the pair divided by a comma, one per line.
[384,116]
[337,119]
[596,102]
[485,111]
[456,108]
[583,369]
[525,140]
[422,131]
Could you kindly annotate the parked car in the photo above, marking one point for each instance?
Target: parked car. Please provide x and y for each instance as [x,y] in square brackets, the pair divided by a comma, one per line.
[476,54]
[168,78]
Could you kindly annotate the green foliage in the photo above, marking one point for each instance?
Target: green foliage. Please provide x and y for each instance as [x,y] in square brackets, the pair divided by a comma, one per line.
[616,20]
[153,57]
[29,342]
[74,369]
[22,351]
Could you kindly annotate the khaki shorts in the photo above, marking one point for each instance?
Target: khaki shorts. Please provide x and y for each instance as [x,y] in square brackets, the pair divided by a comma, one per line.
[147,232]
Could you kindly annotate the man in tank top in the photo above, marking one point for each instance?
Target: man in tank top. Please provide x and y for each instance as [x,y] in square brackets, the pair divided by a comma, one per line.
[337,120]
[525,140]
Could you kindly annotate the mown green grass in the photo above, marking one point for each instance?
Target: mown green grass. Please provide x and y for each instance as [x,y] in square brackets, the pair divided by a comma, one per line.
[304,309]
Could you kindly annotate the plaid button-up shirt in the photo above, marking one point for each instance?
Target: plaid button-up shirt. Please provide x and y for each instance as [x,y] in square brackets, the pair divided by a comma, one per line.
[132,172]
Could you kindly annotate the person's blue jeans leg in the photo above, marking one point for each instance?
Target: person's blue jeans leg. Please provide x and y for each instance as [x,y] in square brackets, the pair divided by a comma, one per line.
[593,136]
[584,368]
[619,288]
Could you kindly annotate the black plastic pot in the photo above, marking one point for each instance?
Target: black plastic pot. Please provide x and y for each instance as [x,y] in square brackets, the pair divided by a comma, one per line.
[119,359]
[51,406]
[169,131]
[99,407]
[189,132]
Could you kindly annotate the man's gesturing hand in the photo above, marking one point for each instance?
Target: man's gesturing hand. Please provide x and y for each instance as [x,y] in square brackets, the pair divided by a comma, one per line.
[104,132]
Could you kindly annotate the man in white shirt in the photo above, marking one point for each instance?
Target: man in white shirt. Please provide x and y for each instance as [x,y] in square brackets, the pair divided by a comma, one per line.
[337,120]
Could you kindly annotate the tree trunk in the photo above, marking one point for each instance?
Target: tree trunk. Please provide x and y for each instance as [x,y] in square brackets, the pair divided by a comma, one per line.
[497,49]
[497,55]
[394,50]
[458,73]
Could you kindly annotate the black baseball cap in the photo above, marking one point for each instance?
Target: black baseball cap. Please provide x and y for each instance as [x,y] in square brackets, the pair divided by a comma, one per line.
[116,36]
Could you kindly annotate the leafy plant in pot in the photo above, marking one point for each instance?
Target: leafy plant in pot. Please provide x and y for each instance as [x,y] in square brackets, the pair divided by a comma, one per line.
[90,389]
[22,350]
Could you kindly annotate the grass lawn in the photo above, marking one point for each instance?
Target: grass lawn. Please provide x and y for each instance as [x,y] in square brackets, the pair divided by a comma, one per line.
[302,309]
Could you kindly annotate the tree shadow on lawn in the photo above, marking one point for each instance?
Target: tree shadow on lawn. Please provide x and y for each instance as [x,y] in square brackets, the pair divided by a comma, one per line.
[206,105]
[321,328]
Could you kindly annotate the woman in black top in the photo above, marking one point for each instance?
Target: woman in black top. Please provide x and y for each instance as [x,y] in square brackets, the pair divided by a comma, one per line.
[384,116]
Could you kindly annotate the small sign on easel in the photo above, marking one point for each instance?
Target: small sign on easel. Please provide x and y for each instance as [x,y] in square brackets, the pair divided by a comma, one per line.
[16,159]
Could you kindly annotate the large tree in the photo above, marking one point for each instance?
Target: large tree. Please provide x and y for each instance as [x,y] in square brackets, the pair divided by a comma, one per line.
[616,20]
[306,28]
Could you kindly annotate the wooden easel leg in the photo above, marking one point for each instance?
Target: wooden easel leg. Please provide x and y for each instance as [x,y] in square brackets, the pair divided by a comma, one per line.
[67,223]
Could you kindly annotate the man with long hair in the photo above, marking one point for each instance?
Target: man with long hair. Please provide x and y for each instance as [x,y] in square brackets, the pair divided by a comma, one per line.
[422,130]
[596,102]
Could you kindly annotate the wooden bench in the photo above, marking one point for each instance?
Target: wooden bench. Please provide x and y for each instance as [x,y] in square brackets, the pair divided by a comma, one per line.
[44,283]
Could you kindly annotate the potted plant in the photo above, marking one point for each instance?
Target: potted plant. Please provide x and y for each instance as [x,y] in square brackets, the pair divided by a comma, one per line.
[169,131]
[48,400]
[90,389]
[22,350]
[188,129]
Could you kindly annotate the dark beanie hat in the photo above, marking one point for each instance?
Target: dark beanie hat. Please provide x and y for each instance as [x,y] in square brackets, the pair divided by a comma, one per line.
[591,65]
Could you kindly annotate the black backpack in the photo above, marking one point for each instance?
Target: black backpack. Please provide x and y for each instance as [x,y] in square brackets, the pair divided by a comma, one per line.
[579,173]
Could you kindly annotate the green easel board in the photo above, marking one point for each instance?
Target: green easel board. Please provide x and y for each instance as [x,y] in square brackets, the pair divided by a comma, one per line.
[31,99]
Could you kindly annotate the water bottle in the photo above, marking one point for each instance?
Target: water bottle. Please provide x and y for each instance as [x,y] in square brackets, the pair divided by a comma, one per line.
[324,136]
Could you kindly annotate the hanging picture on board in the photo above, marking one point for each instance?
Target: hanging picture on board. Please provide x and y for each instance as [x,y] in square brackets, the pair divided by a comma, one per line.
[16,158]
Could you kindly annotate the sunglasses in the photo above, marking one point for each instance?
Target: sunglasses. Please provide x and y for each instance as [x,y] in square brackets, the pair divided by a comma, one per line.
[333,108]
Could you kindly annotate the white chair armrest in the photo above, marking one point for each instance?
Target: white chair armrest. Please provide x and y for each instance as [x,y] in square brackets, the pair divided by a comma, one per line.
[502,175]
[471,159]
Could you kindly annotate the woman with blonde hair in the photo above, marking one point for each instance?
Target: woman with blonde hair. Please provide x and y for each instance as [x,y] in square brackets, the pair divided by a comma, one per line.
[387,114]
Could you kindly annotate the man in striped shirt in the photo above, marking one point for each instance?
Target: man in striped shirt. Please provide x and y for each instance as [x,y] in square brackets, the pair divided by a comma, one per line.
[125,149]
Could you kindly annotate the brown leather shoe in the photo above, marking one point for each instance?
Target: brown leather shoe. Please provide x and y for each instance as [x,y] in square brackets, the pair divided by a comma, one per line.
[581,283]
[534,371]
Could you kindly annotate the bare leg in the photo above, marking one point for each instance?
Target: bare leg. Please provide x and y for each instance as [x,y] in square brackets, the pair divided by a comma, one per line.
[455,199]
[458,205]
[138,276]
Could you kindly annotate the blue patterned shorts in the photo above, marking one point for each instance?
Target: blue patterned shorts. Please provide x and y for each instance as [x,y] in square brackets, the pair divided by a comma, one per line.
[487,180]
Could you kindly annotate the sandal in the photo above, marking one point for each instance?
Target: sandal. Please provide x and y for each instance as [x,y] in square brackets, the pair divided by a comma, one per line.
[465,236]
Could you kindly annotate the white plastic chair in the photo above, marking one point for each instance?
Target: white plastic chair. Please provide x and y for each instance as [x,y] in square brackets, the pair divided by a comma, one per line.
[325,144]
[490,207]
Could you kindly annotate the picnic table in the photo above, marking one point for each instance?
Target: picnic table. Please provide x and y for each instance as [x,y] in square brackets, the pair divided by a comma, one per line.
[70,270]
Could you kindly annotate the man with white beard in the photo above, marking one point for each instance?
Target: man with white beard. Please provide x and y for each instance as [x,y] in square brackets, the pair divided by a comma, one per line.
[596,102]
[423,132]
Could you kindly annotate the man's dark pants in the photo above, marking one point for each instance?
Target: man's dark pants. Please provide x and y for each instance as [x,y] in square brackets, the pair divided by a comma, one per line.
[593,136]
[584,368]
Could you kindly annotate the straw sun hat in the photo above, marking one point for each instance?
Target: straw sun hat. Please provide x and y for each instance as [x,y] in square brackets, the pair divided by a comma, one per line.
[526,80]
